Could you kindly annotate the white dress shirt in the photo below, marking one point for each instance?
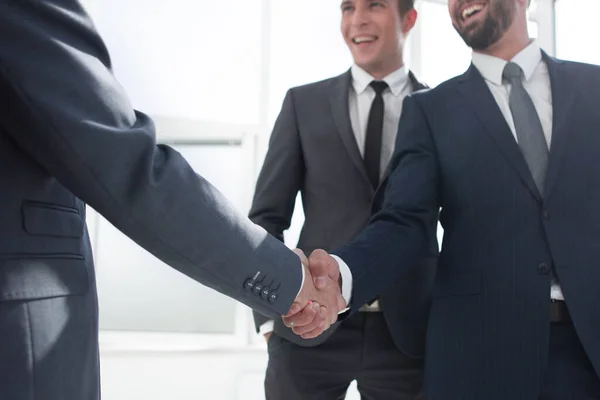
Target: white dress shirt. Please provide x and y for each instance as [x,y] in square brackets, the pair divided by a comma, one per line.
[360,98]
[536,83]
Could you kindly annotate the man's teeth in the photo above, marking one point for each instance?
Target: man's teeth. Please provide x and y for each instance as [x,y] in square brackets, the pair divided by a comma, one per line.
[467,12]
[364,39]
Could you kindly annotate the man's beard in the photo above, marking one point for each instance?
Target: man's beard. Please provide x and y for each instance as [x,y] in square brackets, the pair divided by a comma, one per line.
[500,15]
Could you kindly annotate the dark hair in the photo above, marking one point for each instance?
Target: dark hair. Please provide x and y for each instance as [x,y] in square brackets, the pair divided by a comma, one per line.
[405,6]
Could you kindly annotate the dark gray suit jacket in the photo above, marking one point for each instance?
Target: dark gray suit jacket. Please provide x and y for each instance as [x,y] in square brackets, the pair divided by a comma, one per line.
[313,150]
[68,136]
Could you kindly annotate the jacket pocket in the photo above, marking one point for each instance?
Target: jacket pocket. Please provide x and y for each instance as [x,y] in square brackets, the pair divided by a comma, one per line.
[44,219]
[40,276]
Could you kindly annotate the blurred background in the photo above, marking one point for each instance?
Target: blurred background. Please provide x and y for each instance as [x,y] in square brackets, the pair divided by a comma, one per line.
[213,75]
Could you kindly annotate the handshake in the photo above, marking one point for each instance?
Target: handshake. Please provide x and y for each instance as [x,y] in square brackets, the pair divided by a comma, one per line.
[320,300]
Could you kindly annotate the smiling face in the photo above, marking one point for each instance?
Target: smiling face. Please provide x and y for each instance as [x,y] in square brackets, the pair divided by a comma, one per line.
[375,31]
[482,23]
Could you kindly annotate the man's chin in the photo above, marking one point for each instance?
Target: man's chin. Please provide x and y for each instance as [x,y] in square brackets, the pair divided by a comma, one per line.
[482,44]
[481,36]
[365,62]
[476,40]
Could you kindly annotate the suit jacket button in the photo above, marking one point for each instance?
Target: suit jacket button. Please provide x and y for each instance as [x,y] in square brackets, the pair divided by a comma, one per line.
[265,293]
[249,284]
[273,297]
[257,288]
[543,268]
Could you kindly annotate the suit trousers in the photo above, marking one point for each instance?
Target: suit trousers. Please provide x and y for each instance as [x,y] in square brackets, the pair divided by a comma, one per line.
[361,349]
[570,374]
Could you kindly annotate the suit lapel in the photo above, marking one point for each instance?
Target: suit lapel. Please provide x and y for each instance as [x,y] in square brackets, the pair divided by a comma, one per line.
[340,107]
[562,102]
[476,93]
[416,85]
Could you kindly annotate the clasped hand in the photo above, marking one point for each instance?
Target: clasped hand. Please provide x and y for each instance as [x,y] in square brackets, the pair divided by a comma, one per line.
[320,301]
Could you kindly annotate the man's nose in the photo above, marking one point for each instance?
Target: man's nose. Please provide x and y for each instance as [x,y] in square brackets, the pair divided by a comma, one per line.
[360,16]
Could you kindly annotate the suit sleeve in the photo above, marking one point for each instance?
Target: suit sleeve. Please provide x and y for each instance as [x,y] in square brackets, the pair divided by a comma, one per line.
[63,107]
[280,179]
[401,233]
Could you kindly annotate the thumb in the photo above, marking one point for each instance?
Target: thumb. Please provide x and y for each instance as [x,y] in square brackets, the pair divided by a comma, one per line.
[320,265]
[302,256]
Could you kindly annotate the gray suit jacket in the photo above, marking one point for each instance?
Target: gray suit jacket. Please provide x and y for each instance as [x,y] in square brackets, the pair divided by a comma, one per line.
[68,136]
[313,150]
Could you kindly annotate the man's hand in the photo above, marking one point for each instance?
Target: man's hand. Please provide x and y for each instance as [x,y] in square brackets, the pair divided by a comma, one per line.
[308,318]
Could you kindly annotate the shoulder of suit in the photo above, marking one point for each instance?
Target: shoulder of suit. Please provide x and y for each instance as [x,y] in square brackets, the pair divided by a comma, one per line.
[432,96]
[579,67]
[442,88]
[322,84]
[579,74]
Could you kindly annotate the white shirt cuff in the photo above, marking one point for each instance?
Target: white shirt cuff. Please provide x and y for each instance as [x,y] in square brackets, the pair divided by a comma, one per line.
[346,280]
[267,327]
[303,276]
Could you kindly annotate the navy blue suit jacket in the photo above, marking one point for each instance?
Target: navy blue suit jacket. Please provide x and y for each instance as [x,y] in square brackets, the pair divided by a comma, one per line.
[489,324]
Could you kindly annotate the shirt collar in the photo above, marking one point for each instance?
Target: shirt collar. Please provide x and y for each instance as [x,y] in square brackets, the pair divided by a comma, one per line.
[491,68]
[397,80]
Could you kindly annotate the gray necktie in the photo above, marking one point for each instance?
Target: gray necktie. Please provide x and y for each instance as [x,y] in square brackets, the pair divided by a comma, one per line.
[530,134]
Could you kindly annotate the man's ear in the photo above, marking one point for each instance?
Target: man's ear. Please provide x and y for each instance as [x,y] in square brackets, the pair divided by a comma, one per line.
[409,20]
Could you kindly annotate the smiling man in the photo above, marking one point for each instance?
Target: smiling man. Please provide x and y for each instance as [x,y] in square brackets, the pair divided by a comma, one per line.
[332,142]
[509,151]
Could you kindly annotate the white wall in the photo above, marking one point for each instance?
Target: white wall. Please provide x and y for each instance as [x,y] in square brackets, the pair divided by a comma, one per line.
[216,72]
[577,30]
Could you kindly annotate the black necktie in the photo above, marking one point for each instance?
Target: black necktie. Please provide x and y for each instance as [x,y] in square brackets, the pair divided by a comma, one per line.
[372,156]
